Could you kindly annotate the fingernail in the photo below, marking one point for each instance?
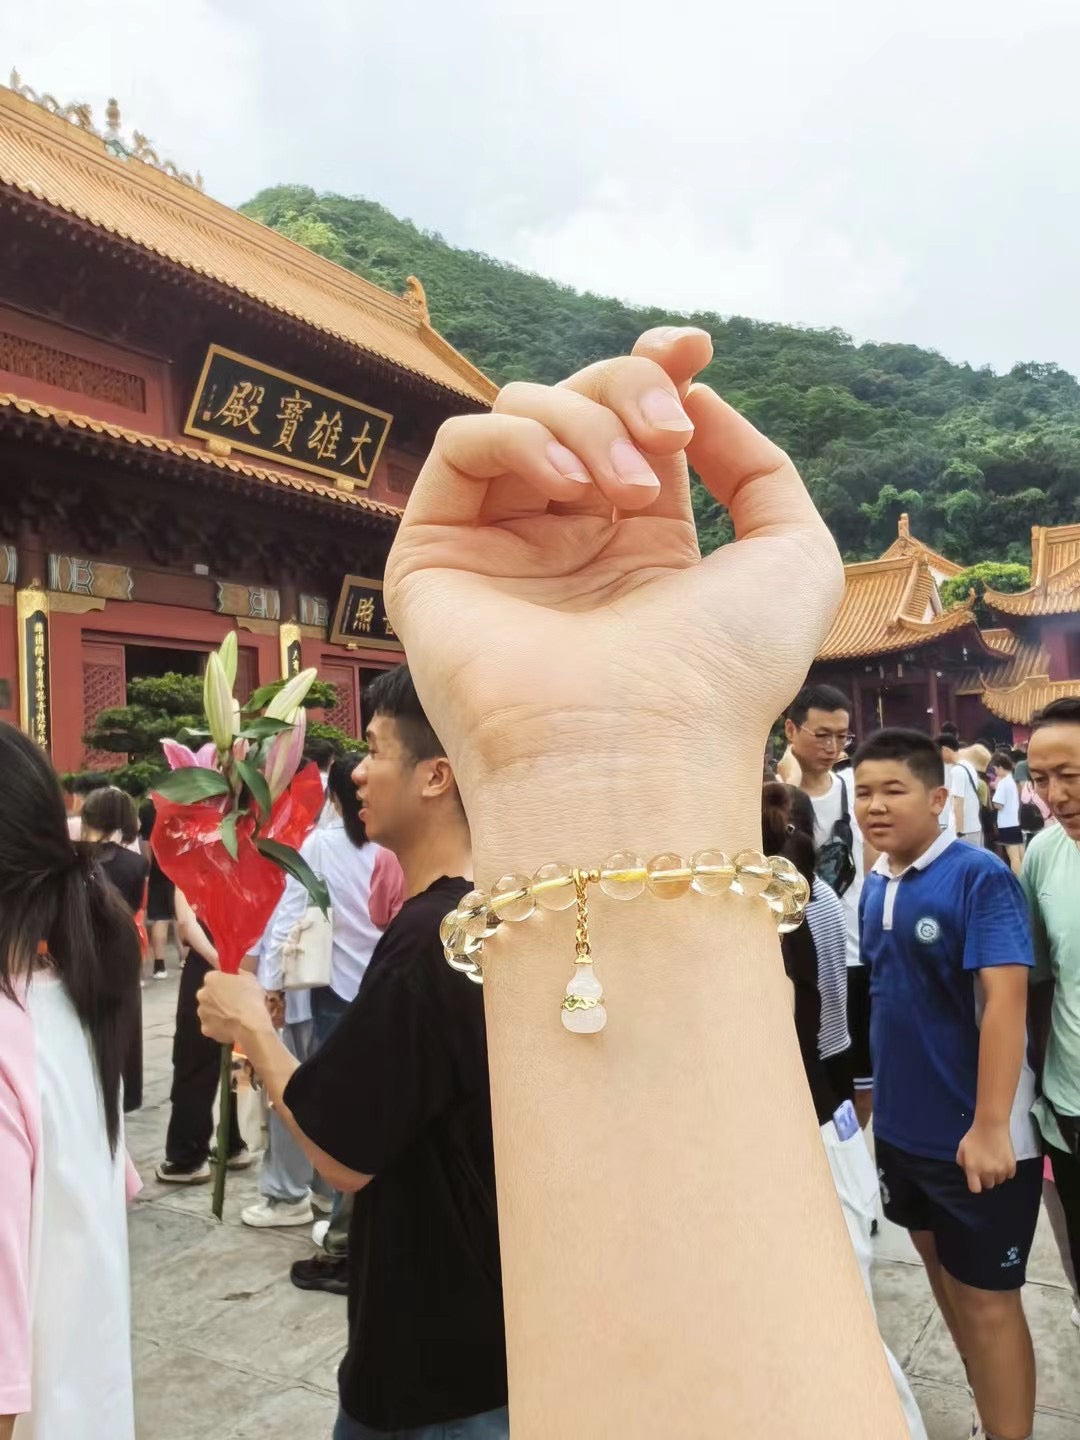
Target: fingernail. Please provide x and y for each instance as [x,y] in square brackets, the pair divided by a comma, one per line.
[567,463]
[663,411]
[631,466]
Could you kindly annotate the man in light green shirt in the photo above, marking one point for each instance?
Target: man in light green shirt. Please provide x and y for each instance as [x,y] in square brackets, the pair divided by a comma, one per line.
[1051,881]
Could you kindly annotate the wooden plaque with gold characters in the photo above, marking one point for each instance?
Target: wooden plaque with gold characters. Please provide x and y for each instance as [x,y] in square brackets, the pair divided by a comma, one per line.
[286,420]
[361,616]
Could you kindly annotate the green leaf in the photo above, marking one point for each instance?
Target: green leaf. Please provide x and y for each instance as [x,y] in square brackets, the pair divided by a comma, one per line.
[256,783]
[228,833]
[294,864]
[191,784]
[262,728]
[260,698]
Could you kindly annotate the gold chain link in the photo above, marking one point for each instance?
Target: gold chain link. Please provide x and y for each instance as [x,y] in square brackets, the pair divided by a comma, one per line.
[582,880]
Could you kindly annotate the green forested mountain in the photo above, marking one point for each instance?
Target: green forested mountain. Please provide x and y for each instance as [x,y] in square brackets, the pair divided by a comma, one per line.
[976,458]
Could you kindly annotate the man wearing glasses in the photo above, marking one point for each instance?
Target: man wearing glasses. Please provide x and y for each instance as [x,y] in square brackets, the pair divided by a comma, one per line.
[818,730]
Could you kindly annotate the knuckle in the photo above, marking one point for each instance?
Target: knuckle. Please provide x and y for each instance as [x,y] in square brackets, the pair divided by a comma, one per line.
[517,396]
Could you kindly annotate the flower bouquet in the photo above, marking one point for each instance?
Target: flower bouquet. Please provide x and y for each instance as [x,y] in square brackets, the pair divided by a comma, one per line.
[230,818]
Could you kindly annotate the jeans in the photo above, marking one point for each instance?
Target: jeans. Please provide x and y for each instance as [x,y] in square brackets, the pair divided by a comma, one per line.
[492,1425]
[286,1172]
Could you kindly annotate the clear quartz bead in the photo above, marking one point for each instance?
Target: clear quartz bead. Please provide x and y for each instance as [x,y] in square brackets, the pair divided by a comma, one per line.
[553,886]
[462,948]
[583,1010]
[512,898]
[785,878]
[713,872]
[472,913]
[753,873]
[623,875]
[669,876]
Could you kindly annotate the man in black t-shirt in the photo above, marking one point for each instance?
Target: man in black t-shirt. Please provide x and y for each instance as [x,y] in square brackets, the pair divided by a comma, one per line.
[395,1108]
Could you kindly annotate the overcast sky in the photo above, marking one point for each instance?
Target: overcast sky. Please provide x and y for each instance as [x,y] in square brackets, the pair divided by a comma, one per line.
[904,171]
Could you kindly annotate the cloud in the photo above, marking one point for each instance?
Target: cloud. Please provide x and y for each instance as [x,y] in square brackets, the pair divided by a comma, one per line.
[903,172]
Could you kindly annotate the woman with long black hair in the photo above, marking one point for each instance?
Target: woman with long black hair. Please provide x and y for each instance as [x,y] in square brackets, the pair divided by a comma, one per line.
[110,823]
[69,971]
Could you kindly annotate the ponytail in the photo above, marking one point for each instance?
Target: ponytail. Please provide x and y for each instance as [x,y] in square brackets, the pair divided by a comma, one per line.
[784,828]
[55,898]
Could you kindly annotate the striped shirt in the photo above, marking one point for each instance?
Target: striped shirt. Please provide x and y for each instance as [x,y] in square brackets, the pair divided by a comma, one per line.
[828,925]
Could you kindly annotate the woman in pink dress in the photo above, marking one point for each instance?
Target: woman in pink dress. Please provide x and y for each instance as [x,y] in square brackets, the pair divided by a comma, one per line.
[69,965]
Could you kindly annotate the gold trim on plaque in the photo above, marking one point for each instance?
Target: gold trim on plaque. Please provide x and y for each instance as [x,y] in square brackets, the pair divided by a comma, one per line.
[289,634]
[324,473]
[33,600]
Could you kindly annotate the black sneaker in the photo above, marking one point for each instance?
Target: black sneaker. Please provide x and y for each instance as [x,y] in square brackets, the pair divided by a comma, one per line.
[160,973]
[169,1173]
[321,1272]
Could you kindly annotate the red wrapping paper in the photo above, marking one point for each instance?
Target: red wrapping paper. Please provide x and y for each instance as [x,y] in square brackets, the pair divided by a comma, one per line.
[234,899]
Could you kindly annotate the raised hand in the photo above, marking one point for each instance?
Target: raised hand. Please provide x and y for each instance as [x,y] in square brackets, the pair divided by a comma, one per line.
[548,587]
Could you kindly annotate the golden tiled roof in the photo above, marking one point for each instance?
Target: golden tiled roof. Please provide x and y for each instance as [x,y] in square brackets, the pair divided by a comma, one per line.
[1055,575]
[884,609]
[907,546]
[1022,702]
[12,406]
[1028,660]
[1001,640]
[68,168]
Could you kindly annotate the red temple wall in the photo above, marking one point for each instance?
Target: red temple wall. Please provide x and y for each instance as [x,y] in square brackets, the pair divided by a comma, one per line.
[131,622]
[166,391]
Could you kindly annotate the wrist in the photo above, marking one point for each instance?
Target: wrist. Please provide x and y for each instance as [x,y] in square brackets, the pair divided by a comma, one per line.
[254,1031]
[584,808]
[990,1123]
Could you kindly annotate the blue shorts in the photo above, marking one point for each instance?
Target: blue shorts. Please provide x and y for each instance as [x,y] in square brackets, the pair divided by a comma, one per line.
[982,1240]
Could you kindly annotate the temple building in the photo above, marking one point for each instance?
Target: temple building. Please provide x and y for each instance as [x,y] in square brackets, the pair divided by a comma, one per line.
[202,426]
[906,660]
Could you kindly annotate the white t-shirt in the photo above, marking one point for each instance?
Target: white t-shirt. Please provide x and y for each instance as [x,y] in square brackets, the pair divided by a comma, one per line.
[348,874]
[65,1308]
[965,786]
[1007,802]
[947,819]
[828,809]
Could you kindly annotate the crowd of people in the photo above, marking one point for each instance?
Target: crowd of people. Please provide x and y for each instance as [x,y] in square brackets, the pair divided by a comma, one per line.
[936,988]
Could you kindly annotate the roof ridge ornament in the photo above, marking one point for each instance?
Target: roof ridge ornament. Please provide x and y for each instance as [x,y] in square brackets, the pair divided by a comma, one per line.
[81,115]
[414,295]
[78,113]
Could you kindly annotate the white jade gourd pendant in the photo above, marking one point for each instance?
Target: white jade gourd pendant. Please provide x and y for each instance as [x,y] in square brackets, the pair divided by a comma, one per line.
[583,1009]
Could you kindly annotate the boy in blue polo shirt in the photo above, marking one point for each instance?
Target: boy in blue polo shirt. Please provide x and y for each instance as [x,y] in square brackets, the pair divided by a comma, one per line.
[945,934]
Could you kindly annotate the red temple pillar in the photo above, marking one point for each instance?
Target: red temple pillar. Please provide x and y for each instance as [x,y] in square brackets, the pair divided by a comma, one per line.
[934,712]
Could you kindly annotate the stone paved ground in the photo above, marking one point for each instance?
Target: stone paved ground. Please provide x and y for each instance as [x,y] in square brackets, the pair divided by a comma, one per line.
[226,1347]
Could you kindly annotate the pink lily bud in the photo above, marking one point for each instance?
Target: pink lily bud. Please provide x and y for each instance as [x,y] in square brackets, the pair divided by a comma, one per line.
[240,749]
[179,756]
[283,756]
